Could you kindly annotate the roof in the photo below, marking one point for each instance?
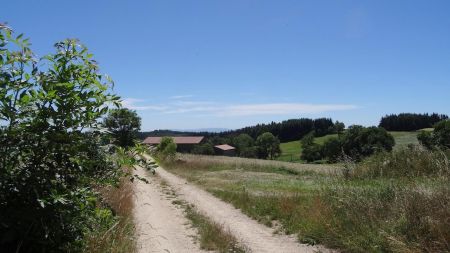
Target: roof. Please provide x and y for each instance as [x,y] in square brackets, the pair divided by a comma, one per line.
[176,139]
[225,147]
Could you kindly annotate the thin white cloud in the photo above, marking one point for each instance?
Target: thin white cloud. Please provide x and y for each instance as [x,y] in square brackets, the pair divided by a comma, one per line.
[181,96]
[193,109]
[192,103]
[235,110]
[131,103]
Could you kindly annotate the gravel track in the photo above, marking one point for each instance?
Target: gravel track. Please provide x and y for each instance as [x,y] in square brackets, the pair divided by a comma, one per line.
[251,234]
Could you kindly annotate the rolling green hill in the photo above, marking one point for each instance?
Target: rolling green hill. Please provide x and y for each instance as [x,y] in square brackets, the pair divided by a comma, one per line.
[290,151]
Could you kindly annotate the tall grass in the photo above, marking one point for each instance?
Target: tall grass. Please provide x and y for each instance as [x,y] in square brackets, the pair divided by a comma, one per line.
[114,230]
[392,202]
[412,161]
[388,216]
[205,160]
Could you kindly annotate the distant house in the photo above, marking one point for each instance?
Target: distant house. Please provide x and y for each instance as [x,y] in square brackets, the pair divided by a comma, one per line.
[225,150]
[184,143]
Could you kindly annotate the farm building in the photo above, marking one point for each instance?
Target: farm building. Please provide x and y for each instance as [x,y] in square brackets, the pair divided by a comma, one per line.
[225,150]
[184,143]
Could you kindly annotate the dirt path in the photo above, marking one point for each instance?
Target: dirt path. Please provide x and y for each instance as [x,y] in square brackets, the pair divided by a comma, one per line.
[161,225]
[256,237]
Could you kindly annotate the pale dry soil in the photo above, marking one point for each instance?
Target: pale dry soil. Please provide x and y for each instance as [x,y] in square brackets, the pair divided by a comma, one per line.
[162,225]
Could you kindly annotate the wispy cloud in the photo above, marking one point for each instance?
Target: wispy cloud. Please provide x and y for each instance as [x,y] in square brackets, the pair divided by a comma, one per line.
[235,110]
[181,96]
[133,104]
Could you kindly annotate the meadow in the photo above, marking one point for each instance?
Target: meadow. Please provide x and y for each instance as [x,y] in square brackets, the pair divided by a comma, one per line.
[290,151]
[393,202]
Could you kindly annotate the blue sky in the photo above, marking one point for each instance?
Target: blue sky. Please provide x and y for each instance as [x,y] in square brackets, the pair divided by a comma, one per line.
[197,64]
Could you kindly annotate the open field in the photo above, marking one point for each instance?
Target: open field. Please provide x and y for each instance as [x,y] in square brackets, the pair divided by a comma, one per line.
[404,138]
[257,164]
[401,207]
[290,151]
[253,236]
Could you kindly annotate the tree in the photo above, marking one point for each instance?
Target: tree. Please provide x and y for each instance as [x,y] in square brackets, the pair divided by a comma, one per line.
[339,127]
[410,121]
[250,152]
[439,137]
[359,141]
[426,139]
[268,146]
[203,149]
[441,133]
[167,148]
[48,161]
[124,125]
[287,130]
[332,149]
[312,152]
[307,140]
[243,142]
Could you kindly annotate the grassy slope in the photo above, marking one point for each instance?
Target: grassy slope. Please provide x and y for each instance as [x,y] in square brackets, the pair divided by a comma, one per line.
[360,214]
[404,138]
[290,151]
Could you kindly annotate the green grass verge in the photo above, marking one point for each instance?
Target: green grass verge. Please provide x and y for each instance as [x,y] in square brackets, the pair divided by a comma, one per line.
[212,236]
[397,202]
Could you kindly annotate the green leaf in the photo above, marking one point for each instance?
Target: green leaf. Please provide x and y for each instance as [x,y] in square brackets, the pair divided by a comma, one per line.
[25,98]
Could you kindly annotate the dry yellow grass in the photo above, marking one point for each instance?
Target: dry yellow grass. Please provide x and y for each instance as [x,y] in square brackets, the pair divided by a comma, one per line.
[119,237]
[298,167]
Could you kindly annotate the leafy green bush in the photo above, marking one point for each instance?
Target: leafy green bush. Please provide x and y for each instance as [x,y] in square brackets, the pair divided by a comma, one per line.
[355,143]
[268,146]
[359,142]
[167,148]
[439,138]
[123,125]
[250,152]
[243,142]
[203,149]
[49,163]
[332,149]
[312,152]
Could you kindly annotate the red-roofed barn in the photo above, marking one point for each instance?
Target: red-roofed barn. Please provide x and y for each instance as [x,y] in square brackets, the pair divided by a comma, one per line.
[184,143]
[225,150]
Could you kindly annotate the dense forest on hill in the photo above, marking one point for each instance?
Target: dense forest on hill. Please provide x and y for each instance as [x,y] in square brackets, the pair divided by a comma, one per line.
[288,130]
[161,133]
[410,121]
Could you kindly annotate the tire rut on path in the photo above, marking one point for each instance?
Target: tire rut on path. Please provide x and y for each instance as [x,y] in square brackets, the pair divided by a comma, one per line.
[254,236]
[160,225]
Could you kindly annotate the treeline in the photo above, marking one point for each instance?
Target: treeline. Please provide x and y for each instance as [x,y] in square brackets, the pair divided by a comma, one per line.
[162,133]
[410,121]
[288,130]
[355,143]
